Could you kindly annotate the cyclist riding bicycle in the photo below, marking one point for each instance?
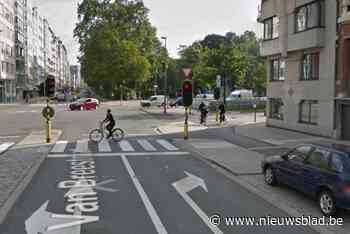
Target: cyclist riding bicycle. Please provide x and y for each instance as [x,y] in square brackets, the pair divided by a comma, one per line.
[111,122]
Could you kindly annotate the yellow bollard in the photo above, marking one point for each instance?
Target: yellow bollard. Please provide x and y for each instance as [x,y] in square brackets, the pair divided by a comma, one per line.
[48,130]
[186,131]
[186,125]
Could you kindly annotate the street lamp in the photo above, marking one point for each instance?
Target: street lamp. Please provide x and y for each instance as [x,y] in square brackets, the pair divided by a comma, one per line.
[165,76]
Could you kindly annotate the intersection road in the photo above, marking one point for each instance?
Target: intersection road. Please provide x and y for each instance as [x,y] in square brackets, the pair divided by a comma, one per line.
[143,185]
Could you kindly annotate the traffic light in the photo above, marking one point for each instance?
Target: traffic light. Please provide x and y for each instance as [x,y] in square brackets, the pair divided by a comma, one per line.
[187,93]
[217,93]
[50,86]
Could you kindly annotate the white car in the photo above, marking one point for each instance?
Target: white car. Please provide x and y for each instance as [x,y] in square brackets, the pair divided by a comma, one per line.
[157,100]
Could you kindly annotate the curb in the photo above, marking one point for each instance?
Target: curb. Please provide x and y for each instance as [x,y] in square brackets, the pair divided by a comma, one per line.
[235,177]
[19,188]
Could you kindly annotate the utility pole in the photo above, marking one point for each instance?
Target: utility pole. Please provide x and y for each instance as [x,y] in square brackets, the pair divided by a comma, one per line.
[165,77]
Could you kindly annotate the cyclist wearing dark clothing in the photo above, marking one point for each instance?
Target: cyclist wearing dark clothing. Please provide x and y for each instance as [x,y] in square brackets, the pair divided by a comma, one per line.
[111,122]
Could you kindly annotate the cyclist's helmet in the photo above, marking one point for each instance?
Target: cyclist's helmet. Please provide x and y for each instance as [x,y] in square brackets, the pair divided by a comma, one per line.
[109,111]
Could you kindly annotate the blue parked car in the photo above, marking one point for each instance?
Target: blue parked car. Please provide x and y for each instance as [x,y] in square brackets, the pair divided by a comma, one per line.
[319,170]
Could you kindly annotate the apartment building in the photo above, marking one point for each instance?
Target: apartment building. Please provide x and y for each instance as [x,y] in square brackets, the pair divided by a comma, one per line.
[342,100]
[37,51]
[300,46]
[7,51]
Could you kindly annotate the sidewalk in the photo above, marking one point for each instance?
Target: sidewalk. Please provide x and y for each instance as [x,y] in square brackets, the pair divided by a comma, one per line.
[243,167]
[233,118]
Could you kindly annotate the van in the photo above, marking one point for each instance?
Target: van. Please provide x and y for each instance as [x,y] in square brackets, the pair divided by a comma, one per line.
[157,100]
[241,94]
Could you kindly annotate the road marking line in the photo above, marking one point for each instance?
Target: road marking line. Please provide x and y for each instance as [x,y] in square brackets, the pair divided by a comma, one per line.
[59,147]
[147,203]
[8,137]
[125,146]
[179,153]
[82,146]
[104,146]
[146,145]
[267,147]
[167,145]
[5,146]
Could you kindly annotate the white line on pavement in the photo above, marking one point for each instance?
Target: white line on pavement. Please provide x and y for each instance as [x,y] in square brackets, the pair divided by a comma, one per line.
[82,146]
[146,145]
[167,145]
[118,154]
[149,207]
[125,146]
[8,137]
[104,146]
[5,146]
[59,147]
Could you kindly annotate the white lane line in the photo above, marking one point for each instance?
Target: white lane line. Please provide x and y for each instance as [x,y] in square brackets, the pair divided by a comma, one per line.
[147,203]
[167,145]
[146,145]
[104,146]
[8,137]
[125,146]
[178,153]
[59,147]
[5,146]
[82,146]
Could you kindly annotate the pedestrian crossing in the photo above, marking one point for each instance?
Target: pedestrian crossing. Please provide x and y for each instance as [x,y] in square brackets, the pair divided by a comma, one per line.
[106,146]
[5,146]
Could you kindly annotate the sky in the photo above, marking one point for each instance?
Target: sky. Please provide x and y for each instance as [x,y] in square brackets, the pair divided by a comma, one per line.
[181,21]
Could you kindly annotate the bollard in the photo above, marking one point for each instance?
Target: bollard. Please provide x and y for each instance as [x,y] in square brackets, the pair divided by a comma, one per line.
[186,125]
[48,130]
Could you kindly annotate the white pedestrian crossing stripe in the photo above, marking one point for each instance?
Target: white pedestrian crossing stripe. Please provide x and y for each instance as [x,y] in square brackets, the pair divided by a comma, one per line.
[5,146]
[105,146]
[146,145]
[167,145]
[59,147]
[125,146]
[82,146]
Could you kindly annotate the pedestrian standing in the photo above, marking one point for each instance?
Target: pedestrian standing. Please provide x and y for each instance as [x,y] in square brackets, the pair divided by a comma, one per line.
[222,112]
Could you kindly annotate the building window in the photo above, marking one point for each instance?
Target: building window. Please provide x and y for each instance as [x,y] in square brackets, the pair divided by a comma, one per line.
[310,66]
[278,70]
[276,108]
[271,30]
[309,16]
[309,112]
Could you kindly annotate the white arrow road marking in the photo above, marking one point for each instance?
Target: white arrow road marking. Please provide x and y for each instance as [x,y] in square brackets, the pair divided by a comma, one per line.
[186,185]
[147,203]
[42,221]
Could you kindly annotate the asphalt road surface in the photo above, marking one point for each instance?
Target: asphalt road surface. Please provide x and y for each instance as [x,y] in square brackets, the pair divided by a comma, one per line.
[141,185]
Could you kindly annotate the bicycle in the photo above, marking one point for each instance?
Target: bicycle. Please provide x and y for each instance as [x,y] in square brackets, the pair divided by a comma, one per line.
[97,135]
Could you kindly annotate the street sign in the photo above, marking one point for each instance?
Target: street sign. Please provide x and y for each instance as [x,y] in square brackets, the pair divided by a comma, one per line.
[187,93]
[50,84]
[187,72]
[48,112]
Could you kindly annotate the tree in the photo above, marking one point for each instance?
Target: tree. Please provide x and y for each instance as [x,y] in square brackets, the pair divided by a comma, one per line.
[118,44]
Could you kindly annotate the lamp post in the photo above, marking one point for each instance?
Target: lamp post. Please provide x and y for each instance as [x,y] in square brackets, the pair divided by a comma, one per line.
[165,77]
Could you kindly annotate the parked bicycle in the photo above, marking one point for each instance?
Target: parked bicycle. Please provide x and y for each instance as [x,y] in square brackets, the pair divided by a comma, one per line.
[97,135]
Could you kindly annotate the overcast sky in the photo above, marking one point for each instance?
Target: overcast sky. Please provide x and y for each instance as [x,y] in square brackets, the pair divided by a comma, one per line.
[182,21]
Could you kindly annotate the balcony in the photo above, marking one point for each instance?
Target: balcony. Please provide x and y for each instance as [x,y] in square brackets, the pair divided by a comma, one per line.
[270,47]
[267,9]
[312,38]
